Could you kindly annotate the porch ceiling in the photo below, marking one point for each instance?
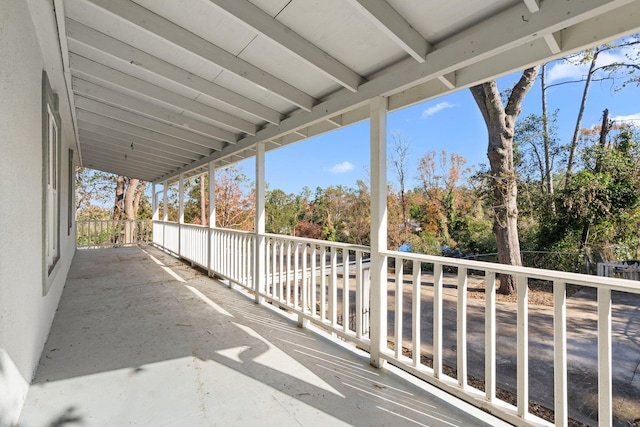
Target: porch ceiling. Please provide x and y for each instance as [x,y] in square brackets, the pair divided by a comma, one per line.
[163,87]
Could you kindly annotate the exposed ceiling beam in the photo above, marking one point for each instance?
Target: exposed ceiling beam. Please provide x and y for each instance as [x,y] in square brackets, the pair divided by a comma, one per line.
[134,130]
[161,27]
[266,26]
[391,23]
[135,105]
[121,166]
[532,5]
[121,147]
[131,155]
[554,42]
[122,140]
[133,57]
[494,36]
[91,70]
[151,124]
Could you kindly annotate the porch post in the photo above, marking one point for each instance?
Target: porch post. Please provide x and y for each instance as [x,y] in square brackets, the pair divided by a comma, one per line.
[259,249]
[212,216]
[378,297]
[165,214]
[180,211]
[154,202]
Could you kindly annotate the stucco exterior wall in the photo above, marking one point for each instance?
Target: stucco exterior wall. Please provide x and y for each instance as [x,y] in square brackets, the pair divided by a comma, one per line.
[26,313]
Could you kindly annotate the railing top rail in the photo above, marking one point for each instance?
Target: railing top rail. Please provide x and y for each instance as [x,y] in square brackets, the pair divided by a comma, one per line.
[532,273]
[340,245]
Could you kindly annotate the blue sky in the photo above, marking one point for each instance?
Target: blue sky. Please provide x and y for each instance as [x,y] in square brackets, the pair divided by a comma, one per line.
[452,122]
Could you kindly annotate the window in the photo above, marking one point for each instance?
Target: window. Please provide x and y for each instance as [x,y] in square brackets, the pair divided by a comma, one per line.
[50,179]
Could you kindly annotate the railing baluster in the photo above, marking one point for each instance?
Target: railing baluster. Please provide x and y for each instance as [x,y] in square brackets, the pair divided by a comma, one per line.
[323,284]
[490,336]
[560,353]
[296,275]
[415,313]
[333,285]
[461,349]
[523,345]
[345,290]
[304,284]
[399,304]
[605,400]
[437,320]
[359,294]
[314,275]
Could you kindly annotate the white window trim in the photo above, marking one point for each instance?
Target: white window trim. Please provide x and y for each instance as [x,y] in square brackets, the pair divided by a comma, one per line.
[51,164]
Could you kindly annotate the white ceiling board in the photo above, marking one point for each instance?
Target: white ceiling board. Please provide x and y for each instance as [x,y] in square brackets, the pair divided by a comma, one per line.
[271,7]
[268,56]
[336,27]
[264,97]
[204,20]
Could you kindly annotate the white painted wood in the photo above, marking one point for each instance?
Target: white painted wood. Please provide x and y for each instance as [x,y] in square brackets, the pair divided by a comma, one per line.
[605,369]
[522,288]
[437,320]
[323,284]
[378,168]
[137,131]
[165,201]
[181,200]
[129,103]
[333,289]
[212,215]
[394,26]
[129,11]
[399,308]
[104,135]
[119,81]
[561,402]
[553,40]
[532,5]
[416,308]
[461,317]
[360,296]
[138,58]
[260,224]
[127,155]
[490,336]
[97,107]
[252,16]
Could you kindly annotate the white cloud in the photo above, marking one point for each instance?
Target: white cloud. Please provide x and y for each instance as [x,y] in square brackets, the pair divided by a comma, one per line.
[630,118]
[563,70]
[436,108]
[343,167]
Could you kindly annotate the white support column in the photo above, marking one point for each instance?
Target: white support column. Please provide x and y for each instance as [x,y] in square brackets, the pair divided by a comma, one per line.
[180,211]
[259,268]
[154,202]
[165,213]
[378,167]
[212,216]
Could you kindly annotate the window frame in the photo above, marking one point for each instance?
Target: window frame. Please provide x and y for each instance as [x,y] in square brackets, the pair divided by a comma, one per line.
[51,183]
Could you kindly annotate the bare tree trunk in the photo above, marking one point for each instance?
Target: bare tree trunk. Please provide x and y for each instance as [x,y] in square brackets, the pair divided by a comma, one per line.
[548,173]
[203,213]
[500,122]
[576,132]
[118,207]
[130,212]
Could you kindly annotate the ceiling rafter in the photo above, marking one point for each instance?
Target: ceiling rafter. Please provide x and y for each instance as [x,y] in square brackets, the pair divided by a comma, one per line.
[268,27]
[138,58]
[81,66]
[491,37]
[134,130]
[90,90]
[123,140]
[133,155]
[97,107]
[391,23]
[175,34]
[113,146]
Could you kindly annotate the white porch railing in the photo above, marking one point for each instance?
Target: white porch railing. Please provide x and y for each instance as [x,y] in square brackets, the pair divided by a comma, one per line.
[95,233]
[629,271]
[328,284]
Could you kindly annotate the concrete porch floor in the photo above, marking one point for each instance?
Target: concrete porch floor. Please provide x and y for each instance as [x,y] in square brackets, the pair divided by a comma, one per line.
[140,338]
